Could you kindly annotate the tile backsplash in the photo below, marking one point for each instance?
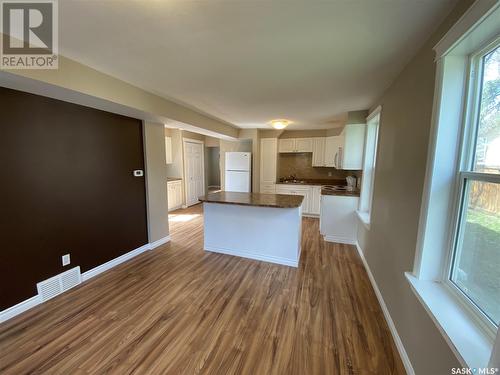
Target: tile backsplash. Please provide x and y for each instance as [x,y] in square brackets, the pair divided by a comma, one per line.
[300,166]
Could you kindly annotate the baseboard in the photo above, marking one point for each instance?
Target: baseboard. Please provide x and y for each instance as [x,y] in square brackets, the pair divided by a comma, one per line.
[114,262]
[164,240]
[19,308]
[338,239]
[397,340]
[36,300]
[254,256]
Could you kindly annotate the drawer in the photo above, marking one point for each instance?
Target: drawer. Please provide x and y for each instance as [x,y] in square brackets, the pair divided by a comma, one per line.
[268,188]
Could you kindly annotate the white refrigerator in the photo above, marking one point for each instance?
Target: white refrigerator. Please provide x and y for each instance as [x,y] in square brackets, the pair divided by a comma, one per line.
[238,172]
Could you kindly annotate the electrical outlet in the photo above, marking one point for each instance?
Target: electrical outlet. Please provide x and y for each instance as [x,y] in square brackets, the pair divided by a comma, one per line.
[66,260]
[329,174]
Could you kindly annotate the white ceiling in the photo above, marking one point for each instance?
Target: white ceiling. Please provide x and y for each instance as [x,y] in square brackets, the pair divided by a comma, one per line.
[247,62]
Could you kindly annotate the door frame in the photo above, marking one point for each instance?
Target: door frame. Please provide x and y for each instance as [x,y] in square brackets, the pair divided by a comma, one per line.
[191,140]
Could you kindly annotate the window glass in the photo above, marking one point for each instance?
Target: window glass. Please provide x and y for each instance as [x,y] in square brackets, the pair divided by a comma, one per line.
[476,270]
[487,147]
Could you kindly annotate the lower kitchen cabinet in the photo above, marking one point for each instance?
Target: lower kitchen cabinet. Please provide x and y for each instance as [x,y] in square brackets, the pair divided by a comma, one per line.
[311,194]
[268,188]
[174,194]
[338,222]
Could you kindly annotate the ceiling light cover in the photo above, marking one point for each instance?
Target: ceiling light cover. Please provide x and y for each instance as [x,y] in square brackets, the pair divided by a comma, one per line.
[280,124]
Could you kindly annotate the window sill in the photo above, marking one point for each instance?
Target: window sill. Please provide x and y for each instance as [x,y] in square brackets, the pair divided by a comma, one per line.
[364,217]
[469,342]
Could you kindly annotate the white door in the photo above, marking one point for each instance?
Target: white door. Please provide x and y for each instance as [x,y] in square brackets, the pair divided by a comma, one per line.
[193,162]
[237,181]
[268,160]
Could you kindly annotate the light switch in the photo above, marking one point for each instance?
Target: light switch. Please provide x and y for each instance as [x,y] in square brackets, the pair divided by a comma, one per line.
[66,260]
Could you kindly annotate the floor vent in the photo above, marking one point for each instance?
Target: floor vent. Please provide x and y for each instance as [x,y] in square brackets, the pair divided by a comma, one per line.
[56,285]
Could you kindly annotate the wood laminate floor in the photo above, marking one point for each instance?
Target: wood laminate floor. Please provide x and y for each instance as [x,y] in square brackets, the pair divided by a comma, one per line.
[180,310]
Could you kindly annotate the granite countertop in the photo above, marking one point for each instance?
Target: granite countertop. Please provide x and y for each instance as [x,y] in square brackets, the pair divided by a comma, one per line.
[345,193]
[170,179]
[308,181]
[254,199]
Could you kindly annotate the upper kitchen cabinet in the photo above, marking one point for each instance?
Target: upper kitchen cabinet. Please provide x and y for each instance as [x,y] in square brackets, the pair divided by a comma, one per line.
[296,145]
[168,150]
[353,142]
[318,153]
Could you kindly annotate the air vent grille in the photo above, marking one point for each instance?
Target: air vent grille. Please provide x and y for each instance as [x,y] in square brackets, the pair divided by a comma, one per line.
[56,285]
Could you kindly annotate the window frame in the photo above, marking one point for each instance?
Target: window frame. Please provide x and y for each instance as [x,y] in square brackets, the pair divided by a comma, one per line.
[366,197]
[465,175]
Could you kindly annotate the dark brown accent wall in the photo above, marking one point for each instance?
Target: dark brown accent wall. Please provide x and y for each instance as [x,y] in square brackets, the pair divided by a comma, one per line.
[66,187]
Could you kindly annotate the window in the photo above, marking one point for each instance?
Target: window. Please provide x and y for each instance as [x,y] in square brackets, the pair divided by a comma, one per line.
[456,273]
[369,161]
[475,262]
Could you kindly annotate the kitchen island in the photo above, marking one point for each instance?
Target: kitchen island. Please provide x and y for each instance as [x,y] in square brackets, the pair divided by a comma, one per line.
[264,227]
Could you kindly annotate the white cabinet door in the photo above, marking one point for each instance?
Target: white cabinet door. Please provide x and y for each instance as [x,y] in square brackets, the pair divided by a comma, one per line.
[268,188]
[287,145]
[354,140]
[318,156]
[168,150]
[303,145]
[333,151]
[315,202]
[268,160]
[174,190]
[170,196]
[305,192]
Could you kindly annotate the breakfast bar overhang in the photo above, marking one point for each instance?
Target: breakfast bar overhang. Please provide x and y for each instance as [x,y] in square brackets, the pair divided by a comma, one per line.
[264,227]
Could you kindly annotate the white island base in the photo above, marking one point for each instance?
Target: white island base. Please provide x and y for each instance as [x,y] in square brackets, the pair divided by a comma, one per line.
[268,234]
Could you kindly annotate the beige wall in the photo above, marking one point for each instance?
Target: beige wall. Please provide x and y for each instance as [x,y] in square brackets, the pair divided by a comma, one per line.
[389,245]
[156,181]
[254,136]
[357,117]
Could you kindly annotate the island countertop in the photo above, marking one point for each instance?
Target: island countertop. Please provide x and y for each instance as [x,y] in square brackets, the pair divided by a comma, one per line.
[254,199]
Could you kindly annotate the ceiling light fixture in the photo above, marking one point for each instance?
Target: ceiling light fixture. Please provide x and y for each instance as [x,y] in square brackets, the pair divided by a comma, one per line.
[280,124]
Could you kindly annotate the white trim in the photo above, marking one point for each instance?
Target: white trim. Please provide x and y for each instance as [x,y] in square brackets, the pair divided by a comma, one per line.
[19,308]
[254,256]
[374,113]
[470,344]
[190,140]
[161,241]
[114,262]
[468,23]
[364,217]
[392,327]
[25,305]
[339,239]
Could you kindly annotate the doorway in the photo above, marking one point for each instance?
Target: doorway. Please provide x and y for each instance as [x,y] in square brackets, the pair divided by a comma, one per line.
[213,169]
[194,170]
